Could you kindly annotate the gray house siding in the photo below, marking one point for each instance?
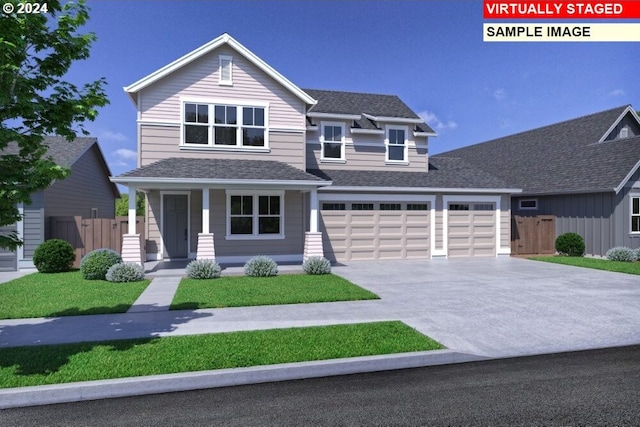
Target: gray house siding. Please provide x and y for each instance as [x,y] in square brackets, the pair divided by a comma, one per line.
[622,214]
[7,257]
[627,128]
[85,188]
[34,225]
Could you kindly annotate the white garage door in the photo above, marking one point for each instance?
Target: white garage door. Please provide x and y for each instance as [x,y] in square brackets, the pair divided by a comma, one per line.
[472,229]
[375,230]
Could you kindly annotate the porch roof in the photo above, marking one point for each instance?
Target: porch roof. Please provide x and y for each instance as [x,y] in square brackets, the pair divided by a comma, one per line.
[219,172]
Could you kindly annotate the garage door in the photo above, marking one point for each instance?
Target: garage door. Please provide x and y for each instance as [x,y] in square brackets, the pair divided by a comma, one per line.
[375,230]
[7,258]
[472,229]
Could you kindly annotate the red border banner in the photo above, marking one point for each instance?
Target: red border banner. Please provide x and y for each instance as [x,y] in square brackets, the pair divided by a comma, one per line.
[561,9]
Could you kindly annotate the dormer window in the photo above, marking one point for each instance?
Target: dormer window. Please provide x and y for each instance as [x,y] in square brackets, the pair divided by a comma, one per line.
[396,142]
[332,141]
[226,70]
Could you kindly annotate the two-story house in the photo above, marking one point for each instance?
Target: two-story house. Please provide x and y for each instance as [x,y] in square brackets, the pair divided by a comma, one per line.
[236,160]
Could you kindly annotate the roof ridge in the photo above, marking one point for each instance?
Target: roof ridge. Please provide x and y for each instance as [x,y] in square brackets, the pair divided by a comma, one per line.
[351,92]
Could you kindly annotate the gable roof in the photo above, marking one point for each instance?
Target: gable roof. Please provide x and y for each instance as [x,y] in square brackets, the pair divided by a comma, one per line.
[565,157]
[365,108]
[224,39]
[66,153]
[444,173]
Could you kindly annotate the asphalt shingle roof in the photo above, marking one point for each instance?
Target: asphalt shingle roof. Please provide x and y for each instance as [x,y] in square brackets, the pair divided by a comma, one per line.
[563,157]
[63,152]
[443,172]
[338,102]
[205,169]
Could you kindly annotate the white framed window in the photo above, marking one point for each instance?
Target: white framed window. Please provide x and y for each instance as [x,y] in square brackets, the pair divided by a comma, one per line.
[255,215]
[332,140]
[225,70]
[396,143]
[224,125]
[528,204]
[635,214]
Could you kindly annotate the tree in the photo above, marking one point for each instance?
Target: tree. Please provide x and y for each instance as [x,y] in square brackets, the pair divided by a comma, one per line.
[36,51]
[122,205]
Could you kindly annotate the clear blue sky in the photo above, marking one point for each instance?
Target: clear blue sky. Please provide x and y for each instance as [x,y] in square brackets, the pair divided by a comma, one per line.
[429,53]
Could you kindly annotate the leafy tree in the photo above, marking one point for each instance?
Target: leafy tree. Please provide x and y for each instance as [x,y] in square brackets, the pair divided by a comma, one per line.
[36,51]
[122,205]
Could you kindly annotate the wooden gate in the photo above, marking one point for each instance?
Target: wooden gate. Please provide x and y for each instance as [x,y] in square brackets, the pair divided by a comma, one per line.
[533,235]
[86,235]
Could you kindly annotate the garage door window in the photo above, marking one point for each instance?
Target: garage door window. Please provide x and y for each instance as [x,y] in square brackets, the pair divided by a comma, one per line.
[389,206]
[483,207]
[459,207]
[417,206]
[362,206]
[333,206]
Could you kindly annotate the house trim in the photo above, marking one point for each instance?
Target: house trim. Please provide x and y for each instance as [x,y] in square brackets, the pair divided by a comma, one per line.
[160,255]
[618,120]
[627,178]
[208,47]
[218,182]
[20,231]
[421,190]
[334,116]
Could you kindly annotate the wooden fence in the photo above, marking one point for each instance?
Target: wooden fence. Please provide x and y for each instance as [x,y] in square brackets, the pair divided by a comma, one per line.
[86,235]
[533,235]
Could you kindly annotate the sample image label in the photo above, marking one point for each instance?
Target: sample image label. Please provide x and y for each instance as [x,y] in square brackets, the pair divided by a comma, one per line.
[568,11]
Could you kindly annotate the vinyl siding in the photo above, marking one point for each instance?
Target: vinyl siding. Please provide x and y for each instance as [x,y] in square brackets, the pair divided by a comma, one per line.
[293,222]
[34,225]
[162,142]
[622,214]
[8,257]
[366,152]
[161,100]
[86,187]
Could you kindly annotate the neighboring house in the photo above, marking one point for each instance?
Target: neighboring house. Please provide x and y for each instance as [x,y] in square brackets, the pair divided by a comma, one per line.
[235,161]
[582,172]
[86,192]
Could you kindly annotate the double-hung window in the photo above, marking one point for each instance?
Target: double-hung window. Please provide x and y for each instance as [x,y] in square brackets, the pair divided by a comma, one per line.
[635,214]
[332,141]
[224,125]
[396,144]
[253,215]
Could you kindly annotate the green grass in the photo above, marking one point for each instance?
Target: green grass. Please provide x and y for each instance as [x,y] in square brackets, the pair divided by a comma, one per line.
[239,291]
[65,294]
[597,263]
[54,364]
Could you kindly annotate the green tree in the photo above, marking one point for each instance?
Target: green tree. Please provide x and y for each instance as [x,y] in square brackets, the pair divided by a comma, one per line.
[122,205]
[36,51]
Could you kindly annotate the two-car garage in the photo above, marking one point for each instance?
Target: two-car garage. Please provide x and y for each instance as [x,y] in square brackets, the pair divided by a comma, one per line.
[399,229]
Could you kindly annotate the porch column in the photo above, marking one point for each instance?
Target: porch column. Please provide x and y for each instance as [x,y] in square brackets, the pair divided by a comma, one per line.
[313,238]
[131,251]
[206,248]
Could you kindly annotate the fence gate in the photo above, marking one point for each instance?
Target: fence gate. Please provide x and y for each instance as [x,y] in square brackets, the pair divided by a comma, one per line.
[533,235]
[86,235]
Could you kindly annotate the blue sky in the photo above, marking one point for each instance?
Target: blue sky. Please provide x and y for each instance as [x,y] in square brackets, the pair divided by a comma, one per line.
[429,53]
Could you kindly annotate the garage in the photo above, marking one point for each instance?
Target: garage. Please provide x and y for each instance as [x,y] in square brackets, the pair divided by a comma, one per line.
[375,230]
[8,258]
[471,229]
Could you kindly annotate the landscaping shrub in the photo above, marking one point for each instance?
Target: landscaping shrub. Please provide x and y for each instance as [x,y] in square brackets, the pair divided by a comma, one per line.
[570,244]
[125,272]
[203,269]
[54,256]
[261,266]
[316,265]
[636,254]
[621,253]
[95,264]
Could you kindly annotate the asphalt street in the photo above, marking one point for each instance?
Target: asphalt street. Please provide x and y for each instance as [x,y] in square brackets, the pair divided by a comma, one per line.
[595,388]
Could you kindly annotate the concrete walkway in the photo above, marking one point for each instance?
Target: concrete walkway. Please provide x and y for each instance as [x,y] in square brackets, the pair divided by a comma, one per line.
[477,308]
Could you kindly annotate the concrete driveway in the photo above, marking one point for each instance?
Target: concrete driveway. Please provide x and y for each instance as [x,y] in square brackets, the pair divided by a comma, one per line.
[506,306]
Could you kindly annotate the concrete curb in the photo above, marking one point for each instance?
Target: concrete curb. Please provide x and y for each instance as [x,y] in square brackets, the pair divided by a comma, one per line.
[136,386]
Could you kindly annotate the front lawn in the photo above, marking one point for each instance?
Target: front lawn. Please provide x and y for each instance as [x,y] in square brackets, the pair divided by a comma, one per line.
[239,291]
[54,364]
[65,294]
[597,263]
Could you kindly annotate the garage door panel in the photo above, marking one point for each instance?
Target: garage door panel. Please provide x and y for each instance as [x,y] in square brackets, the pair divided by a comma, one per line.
[472,232]
[376,234]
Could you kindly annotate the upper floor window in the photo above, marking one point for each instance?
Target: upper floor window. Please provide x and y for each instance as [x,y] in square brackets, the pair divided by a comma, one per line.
[635,214]
[396,142]
[232,126]
[332,140]
[226,69]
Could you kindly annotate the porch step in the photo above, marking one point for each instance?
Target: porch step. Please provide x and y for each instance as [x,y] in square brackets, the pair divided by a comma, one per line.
[157,296]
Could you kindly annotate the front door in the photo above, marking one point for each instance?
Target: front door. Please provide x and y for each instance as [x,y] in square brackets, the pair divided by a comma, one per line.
[175,226]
